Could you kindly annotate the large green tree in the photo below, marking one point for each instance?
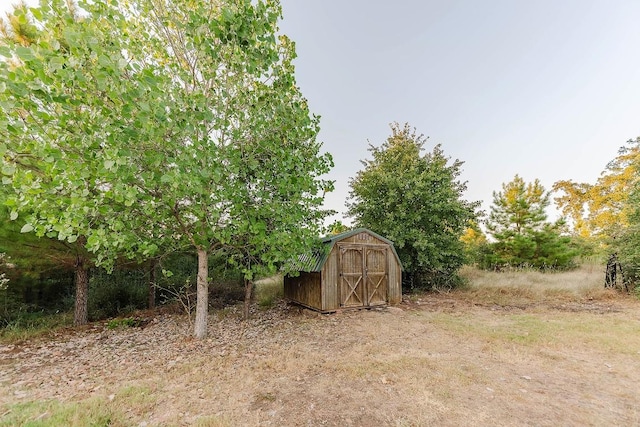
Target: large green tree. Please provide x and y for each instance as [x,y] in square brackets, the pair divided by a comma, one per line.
[242,171]
[151,121]
[523,235]
[64,83]
[415,199]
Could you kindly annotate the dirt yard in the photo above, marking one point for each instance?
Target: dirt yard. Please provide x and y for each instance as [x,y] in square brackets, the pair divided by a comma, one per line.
[441,359]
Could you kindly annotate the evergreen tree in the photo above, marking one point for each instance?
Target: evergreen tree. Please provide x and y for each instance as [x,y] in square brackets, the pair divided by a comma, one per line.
[518,223]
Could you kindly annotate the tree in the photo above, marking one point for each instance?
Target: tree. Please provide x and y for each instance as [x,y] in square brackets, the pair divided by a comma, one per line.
[518,223]
[242,172]
[415,200]
[518,208]
[474,241]
[627,247]
[189,128]
[64,80]
[599,211]
[337,227]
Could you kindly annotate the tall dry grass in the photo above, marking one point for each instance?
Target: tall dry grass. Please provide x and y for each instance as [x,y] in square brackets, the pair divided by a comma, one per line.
[527,285]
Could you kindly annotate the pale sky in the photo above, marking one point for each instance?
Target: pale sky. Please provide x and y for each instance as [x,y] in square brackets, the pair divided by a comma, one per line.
[546,89]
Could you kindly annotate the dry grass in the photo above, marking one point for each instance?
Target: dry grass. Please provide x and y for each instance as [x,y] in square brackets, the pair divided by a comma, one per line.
[269,291]
[518,287]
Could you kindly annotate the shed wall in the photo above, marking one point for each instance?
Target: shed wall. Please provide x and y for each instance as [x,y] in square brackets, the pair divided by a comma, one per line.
[305,289]
[330,277]
[395,280]
[363,238]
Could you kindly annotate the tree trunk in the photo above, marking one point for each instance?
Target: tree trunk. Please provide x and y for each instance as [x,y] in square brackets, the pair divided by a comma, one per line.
[202,296]
[248,290]
[610,275]
[81,312]
[152,284]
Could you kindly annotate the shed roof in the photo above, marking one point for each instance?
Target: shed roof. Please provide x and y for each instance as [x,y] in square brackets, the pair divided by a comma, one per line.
[313,262]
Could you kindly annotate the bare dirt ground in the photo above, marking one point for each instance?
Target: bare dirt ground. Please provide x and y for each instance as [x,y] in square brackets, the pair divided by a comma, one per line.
[440,359]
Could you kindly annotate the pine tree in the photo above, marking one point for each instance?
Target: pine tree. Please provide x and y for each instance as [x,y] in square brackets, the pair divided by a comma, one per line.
[523,236]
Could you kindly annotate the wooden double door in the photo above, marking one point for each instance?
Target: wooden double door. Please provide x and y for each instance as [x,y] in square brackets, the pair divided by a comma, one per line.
[363,275]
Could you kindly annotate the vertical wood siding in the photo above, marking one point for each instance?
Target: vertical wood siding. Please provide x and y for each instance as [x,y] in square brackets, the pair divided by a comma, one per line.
[394,290]
[305,289]
[330,276]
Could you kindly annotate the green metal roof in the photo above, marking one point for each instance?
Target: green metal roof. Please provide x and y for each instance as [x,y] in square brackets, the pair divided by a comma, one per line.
[313,261]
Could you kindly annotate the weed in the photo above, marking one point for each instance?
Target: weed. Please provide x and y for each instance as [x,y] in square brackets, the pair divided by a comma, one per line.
[127,322]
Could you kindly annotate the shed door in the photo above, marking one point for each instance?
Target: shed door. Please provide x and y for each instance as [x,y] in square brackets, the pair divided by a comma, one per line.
[363,276]
[351,277]
[376,276]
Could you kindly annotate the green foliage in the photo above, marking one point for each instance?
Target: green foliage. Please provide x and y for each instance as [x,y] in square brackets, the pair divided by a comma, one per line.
[415,200]
[337,227]
[474,240]
[226,279]
[118,293]
[187,123]
[126,322]
[628,244]
[523,237]
[599,212]
[26,325]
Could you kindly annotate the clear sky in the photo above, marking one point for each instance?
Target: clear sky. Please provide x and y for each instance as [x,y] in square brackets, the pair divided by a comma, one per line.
[546,89]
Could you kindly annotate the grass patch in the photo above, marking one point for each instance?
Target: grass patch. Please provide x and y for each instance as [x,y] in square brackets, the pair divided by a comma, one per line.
[92,412]
[31,325]
[269,291]
[117,410]
[126,322]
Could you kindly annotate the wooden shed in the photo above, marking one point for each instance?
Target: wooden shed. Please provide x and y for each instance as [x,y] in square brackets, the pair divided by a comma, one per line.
[355,269]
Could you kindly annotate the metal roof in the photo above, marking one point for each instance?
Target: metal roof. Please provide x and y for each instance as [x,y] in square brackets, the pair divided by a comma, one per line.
[313,261]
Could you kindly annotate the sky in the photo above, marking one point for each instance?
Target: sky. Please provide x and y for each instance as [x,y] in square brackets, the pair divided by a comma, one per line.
[543,89]
[547,89]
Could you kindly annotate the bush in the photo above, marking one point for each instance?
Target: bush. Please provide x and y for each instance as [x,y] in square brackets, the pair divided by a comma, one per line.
[120,292]
[179,280]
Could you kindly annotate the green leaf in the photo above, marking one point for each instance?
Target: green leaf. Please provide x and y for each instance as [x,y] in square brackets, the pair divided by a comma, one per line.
[25,53]
[8,169]
[56,63]
[27,228]
[13,216]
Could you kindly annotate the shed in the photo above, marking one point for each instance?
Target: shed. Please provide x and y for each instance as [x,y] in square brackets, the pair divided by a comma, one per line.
[354,269]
